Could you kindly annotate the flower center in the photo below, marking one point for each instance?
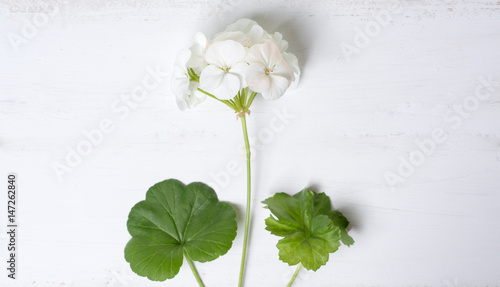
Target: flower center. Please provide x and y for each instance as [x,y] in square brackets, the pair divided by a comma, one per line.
[268,71]
[226,70]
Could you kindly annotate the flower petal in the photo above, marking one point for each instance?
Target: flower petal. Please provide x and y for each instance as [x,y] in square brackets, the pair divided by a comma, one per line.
[181,103]
[240,70]
[254,33]
[180,79]
[257,35]
[267,53]
[278,87]
[200,39]
[226,53]
[179,84]
[191,98]
[211,78]
[219,83]
[293,64]
[282,69]
[197,61]
[244,25]
[282,44]
[257,79]
[237,36]
[195,97]
[229,87]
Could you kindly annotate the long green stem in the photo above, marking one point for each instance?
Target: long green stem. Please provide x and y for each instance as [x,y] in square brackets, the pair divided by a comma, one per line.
[249,194]
[294,275]
[195,273]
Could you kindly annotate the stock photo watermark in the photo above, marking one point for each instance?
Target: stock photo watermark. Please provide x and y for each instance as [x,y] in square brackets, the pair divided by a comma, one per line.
[454,117]
[31,27]
[363,37]
[92,138]
[12,228]
[277,124]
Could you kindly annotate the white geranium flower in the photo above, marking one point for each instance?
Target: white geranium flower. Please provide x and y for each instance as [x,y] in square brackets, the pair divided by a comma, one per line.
[184,87]
[244,31]
[248,33]
[225,74]
[243,55]
[268,73]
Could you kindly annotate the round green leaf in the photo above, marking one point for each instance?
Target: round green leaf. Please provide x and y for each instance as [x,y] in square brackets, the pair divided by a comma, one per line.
[310,229]
[175,218]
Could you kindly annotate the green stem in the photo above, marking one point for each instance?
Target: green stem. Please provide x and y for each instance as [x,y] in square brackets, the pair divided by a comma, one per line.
[210,95]
[247,213]
[250,100]
[294,275]
[195,273]
[226,102]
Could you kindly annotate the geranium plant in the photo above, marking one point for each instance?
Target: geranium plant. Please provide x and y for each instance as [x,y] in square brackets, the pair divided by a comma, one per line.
[177,221]
[232,68]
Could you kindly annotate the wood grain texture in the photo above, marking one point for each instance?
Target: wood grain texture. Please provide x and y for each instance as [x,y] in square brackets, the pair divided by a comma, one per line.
[354,117]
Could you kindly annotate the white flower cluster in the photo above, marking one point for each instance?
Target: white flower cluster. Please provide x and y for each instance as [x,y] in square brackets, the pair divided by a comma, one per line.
[242,56]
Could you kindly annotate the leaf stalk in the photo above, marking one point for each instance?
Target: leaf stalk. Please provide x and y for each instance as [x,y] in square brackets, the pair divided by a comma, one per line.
[193,269]
[299,266]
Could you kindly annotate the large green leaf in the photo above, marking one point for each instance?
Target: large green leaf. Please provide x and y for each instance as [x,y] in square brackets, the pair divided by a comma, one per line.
[177,218]
[309,227]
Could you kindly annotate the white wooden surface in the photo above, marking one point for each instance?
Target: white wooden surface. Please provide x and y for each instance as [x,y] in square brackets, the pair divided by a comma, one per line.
[353,119]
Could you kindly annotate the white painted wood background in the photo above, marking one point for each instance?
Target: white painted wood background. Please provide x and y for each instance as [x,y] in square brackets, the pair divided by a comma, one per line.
[357,114]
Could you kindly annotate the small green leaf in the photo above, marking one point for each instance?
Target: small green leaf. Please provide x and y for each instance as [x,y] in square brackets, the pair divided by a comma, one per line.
[175,218]
[310,229]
